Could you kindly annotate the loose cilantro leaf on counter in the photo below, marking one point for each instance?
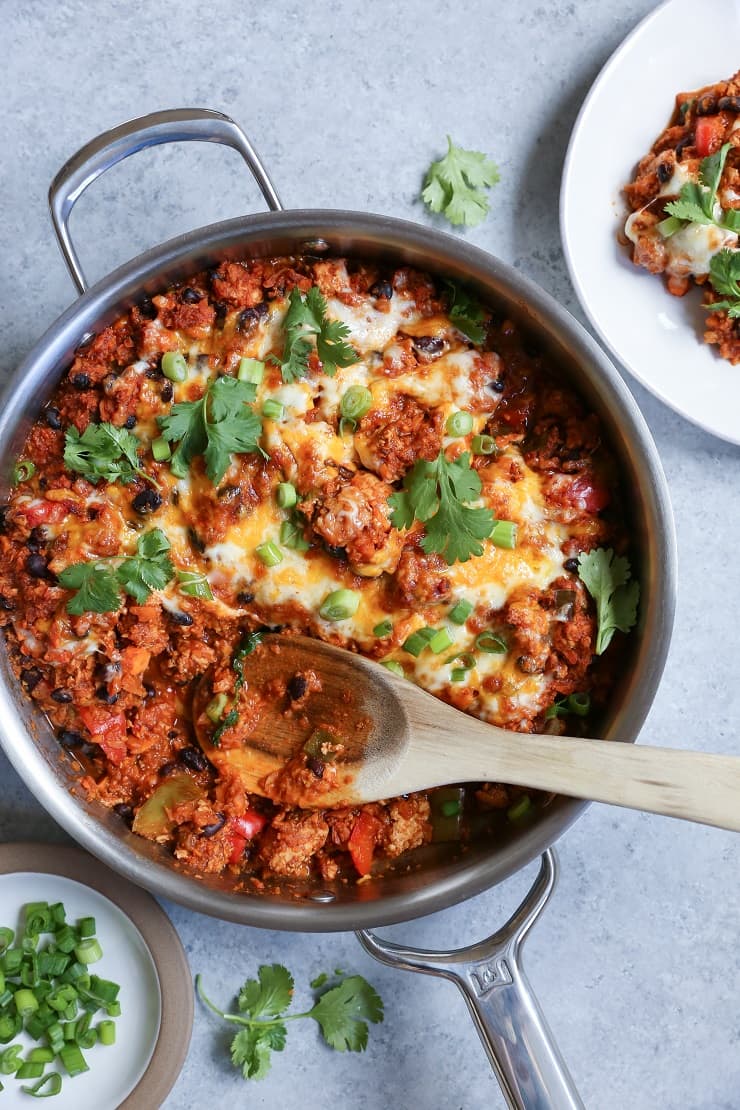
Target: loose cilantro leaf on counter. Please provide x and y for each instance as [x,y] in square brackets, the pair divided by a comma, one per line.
[606,576]
[455,185]
[466,314]
[103,451]
[306,316]
[342,1013]
[437,493]
[724,274]
[697,200]
[218,425]
[98,584]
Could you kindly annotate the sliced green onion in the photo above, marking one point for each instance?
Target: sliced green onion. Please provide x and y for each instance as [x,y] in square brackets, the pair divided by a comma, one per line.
[670,226]
[291,535]
[446,813]
[30,1070]
[10,1026]
[40,1055]
[38,918]
[491,643]
[52,1081]
[483,445]
[174,366]
[161,449]
[459,424]
[26,1002]
[194,583]
[520,808]
[418,640]
[104,988]
[503,534]
[340,605]
[89,951]
[460,612]
[251,370]
[10,1059]
[269,554]
[458,674]
[73,1060]
[113,1009]
[7,937]
[451,808]
[23,470]
[394,667]
[107,1032]
[88,1039]
[272,409]
[286,495]
[58,914]
[66,938]
[346,426]
[383,629]
[440,641]
[355,402]
[215,708]
[580,704]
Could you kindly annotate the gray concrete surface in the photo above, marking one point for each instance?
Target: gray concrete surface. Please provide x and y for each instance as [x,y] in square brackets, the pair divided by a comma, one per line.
[637,961]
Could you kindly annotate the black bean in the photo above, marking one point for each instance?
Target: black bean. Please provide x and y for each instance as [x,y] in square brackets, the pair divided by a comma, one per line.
[297,687]
[81,381]
[729,104]
[249,317]
[496,385]
[30,677]
[130,421]
[665,172]
[429,344]
[3,517]
[148,501]
[245,597]
[531,347]
[221,311]
[36,539]
[102,695]
[68,738]
[229,493]
[167,768]
[154,373]
[337,552]
[190,296]
[316,766]
[688,141]
[168,392]
[6,603]
[571,565]
[706,105]
[175,497]
[218,824]
[183,619]
[36,566]
[53,419]
[148,310]
[193,758]
[529,664]
[196,541]
[61,695]
[382,290]
[149,690]
[124,811]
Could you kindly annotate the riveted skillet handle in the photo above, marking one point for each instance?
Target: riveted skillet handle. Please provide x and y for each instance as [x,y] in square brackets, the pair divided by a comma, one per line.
[97,156]
[510,1023]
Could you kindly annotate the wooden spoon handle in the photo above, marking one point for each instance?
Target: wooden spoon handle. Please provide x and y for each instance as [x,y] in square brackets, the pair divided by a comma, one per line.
[690,785]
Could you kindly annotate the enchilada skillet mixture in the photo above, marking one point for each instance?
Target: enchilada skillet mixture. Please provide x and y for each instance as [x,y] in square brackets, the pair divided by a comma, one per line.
[368,457]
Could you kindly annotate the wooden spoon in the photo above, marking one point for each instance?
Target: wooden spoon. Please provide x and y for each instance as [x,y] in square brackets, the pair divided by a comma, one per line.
[381,736]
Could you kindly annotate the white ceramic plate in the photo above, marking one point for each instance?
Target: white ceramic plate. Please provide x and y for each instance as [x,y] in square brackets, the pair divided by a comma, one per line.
[682,45]
[141,952]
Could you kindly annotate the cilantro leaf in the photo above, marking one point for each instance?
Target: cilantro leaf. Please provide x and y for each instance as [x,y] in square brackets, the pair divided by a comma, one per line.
[606,576]
[251,1049]
[455,185]
[436,493]
[696,201]
[344,1011]
[150,569]
[466,314]
[218,425]
[96,585]
[269,995]
[306,317]
[103,451]
[724,274]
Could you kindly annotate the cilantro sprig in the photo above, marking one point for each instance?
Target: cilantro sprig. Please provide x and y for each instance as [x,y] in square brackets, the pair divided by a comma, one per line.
[724,274]
[437,493]
[696,201]
[466,313]
[218,425]
[104,451]
[342,1013]
[98,584]
[306,317]
[456,184]
[607,576]
[249,644]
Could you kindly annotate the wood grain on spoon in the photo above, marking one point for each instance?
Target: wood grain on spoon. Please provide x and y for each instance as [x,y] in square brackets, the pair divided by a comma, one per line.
[389,737]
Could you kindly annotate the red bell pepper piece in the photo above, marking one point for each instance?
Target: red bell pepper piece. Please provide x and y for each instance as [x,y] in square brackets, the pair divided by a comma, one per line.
[107,729]
[362,842]
[45,512]
[588,494]
[710,131]
[241,829]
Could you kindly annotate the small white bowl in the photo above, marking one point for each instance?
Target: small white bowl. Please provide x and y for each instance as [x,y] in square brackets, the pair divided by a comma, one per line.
[680,46]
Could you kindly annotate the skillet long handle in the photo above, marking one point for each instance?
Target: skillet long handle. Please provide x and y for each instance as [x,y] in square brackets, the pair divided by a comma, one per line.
[450,747]
[172,126]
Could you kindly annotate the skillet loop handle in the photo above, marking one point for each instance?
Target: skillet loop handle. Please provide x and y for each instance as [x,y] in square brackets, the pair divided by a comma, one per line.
[97,156]
[510,1023]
